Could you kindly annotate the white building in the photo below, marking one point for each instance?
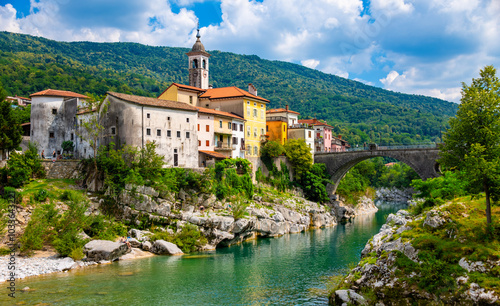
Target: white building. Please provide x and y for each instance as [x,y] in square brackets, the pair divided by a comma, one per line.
[53,119]
[137,121]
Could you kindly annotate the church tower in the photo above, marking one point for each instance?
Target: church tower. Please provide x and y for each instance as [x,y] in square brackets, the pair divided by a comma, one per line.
[198,64]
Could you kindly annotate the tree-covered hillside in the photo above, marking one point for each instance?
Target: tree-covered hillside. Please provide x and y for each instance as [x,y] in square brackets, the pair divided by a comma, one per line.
[359,112]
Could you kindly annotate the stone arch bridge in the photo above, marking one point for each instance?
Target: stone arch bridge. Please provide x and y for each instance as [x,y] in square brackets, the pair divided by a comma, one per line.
[422,160]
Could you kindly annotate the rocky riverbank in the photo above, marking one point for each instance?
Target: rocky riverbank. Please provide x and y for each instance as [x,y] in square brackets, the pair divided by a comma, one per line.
[394,194]
[430,259]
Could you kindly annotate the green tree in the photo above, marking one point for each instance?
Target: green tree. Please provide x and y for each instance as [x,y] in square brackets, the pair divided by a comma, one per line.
[10,130]
[472,143]
[300,156]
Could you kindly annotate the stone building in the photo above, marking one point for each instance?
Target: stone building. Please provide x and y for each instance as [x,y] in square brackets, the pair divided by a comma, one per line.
[53,118]
[323,135]
[137,121]
[278,121]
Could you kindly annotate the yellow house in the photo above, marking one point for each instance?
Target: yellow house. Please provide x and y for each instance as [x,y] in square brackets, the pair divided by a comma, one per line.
[245,104]
[182,93]
[278,121]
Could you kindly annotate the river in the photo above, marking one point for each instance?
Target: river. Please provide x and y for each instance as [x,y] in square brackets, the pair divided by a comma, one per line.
[292,269]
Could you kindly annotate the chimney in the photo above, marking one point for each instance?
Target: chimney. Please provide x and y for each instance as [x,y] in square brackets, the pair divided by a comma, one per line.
[252,89]
[210,86]
[340,136]
[286,108]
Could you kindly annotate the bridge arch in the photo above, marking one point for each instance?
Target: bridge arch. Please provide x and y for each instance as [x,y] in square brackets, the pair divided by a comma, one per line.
[423,161]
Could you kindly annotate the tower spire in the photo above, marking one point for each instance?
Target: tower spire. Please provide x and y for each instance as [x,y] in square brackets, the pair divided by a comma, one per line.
[198,29]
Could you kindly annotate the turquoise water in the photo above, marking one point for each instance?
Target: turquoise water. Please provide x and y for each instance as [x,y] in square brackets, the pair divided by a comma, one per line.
[288,270]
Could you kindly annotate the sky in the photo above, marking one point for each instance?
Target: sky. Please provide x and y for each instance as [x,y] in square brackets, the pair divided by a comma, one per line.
[426,47]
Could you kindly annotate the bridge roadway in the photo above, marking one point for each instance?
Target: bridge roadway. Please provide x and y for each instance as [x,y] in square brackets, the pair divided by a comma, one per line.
[422,160]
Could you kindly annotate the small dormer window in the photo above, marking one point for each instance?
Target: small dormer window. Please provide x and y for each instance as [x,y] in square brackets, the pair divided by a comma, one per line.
[248,102]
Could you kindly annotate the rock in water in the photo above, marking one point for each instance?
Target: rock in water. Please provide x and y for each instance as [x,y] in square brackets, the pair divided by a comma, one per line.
[162,247]
[99,250]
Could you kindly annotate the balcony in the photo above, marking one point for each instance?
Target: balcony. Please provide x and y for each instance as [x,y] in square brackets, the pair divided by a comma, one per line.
[221,146]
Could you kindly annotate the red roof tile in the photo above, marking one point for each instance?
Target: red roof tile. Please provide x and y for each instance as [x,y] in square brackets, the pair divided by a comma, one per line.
[213,154]
[314,122]
[217,112]
[280,110]
[58,93]
[229,92]
[153,101]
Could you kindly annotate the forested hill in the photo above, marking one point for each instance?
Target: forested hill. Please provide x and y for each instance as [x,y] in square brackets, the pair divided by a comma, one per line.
[359,112]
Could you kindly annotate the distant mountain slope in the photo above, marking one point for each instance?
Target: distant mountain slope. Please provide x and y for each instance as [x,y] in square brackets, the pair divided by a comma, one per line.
[360,112]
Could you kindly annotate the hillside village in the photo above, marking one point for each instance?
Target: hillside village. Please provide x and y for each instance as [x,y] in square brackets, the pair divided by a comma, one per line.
[192,125]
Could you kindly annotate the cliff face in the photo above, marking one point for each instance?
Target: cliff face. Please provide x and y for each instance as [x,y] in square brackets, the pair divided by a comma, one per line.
[444,256]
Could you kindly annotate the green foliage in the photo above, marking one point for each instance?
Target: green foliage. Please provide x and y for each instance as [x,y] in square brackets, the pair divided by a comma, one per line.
[232,177]
[10,130]
[22,167]
[471,144]
[270,150]
[68,146]
[300,156]
[189,239]
[41,195]
[105,228]
[238,209]
[446,187]
[359,112]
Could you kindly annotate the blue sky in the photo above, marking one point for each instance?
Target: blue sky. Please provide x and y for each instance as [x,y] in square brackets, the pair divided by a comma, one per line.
[414,46]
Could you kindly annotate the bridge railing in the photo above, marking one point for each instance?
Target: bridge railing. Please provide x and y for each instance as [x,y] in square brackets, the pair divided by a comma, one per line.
[372,147]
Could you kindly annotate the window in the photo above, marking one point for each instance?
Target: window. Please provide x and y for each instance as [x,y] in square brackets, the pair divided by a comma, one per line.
[235,140]
[187,134]
[220,124]
[318,134]
[71,136]
[208,128]
[113,132]
[248,110]
[148,132]
[254,104]
[190,99]
[199,143]
[168,118]
[169,133]
[81,122]
[51,134]
[248,131]
[284,128]
[254,132]
[255,150]
[248,102]
[221,138]
[262,131]
[261,114]
[249,150]
[309,133]
[198,127]
[255,113]
[241,127]
[229,125]
[148,115]
[178,134]
[267,128]
[158,132]
[262,105]
[207,143]
[187,120]
[235,127]
[54,111]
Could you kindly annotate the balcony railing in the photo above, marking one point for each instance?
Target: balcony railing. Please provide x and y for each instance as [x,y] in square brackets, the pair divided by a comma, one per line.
[223,146]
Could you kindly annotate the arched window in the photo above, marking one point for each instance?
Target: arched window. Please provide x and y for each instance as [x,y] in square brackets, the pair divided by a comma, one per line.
[195,63]
[204,64]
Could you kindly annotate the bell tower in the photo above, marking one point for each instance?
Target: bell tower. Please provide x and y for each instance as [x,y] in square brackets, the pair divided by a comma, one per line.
[198,64]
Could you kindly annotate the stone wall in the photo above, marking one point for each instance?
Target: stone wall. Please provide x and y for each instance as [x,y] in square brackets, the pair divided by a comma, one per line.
[61,169]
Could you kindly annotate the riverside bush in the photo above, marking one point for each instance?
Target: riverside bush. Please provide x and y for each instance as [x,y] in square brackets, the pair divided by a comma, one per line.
[189,239]
[41,195]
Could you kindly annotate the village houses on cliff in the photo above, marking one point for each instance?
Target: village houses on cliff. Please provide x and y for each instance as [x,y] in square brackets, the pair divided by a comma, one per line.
[192,125]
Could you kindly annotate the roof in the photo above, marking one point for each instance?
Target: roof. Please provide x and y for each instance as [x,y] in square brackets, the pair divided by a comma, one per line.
[280,110]
[229,92]
[213,154]
[314,122]
[58,93]
[218,112]
[192,88]
[153,101]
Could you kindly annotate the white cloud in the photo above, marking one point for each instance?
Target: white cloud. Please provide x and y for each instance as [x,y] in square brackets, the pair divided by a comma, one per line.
[363,81]
[310,63]
[8,21]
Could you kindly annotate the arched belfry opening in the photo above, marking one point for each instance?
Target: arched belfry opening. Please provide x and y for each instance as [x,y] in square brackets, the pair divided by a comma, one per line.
[198,64]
